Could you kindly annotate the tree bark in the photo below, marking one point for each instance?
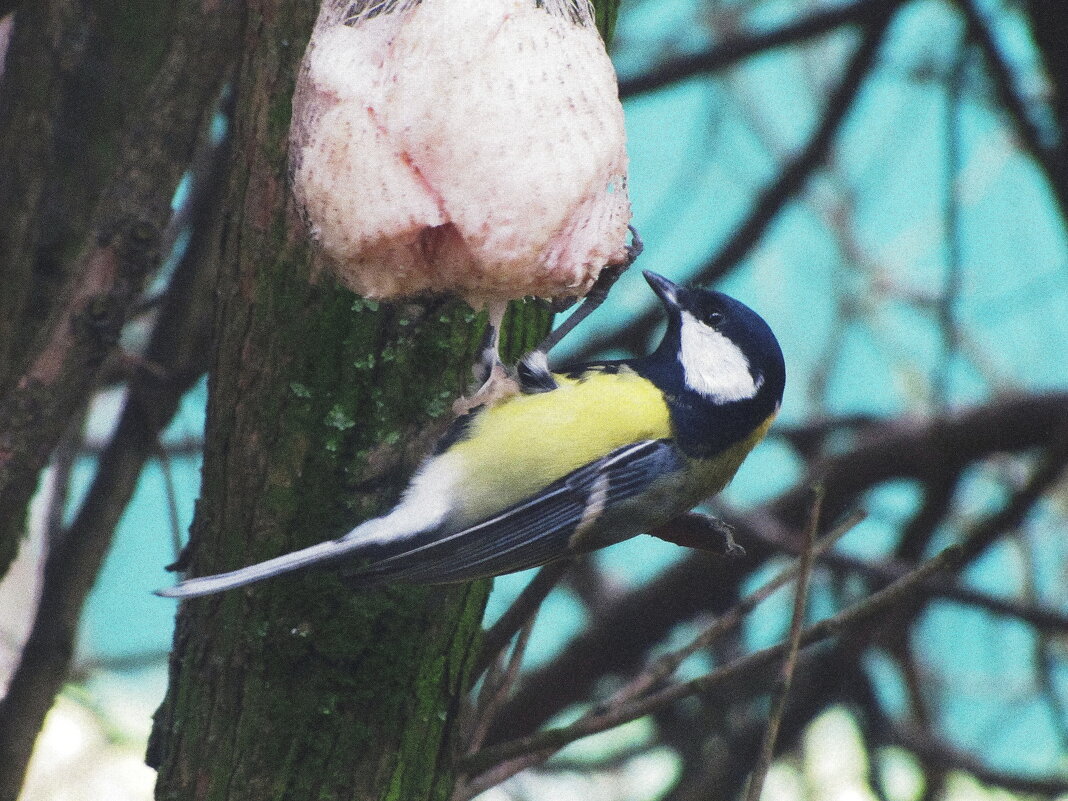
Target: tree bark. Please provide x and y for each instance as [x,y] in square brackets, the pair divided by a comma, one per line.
[75,74]
[320,406]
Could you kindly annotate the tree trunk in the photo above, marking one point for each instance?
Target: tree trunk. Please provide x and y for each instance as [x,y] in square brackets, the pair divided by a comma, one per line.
[320,406]
[74,76]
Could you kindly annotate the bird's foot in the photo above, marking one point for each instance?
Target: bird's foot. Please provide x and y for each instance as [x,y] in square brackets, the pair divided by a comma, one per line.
[701,532]
[496,381]
[499,384]
[596,296]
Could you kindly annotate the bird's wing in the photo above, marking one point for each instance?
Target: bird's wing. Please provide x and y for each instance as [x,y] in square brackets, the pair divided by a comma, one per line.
[534,531]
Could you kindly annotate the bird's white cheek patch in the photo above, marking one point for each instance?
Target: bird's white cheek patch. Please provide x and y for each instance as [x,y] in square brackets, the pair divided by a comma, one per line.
[713,365]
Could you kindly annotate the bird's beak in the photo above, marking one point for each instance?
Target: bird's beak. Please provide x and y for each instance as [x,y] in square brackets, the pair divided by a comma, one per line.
[665,290]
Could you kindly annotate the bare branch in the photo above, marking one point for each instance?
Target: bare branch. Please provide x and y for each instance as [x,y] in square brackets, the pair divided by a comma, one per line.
[119,252]
[789,665]
[544,743]
[523,608]
[1052,467]
[731,51]
[179,350]
[937,499]
[1049,159]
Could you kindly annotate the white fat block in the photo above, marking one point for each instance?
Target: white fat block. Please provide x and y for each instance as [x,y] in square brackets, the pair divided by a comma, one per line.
[474,146]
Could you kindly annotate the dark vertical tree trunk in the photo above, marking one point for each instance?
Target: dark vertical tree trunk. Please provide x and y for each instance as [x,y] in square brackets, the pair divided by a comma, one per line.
[74,75]
[320,405]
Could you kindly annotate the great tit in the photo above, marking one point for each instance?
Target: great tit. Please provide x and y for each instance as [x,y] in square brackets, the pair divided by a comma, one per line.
[573,461]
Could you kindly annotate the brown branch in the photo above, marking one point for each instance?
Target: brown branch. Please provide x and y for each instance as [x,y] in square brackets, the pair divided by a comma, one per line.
[925,450]
[808,438]
[886,570]
[789,665]
[937,751]
[773,198]
[1049,471]
[545,743]
[731,51]
[523,608]
[179,351]
[120,250]
[1049,159]
[937,501]
[700,532]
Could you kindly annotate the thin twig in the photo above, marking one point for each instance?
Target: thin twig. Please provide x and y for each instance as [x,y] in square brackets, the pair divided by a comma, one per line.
[668,663]
[523,608]
[170,491]
[545,743]
[498,686]
[947,316]
[731,51]
[786,675]
[1045,647]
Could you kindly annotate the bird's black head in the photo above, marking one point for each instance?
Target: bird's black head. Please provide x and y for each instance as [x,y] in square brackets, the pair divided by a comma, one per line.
[716,352]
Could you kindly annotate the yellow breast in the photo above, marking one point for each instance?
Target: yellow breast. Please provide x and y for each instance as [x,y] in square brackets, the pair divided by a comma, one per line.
[525,442]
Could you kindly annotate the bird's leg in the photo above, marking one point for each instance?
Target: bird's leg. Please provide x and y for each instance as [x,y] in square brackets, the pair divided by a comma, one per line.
[596,296]
[496,381]
[489,356]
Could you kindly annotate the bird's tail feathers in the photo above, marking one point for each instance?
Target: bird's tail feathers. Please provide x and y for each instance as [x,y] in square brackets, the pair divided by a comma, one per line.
[362,540]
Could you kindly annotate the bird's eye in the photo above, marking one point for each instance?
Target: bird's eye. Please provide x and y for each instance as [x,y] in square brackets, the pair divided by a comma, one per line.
[714,319]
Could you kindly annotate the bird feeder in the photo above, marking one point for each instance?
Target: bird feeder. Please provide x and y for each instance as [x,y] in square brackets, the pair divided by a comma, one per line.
[472,146]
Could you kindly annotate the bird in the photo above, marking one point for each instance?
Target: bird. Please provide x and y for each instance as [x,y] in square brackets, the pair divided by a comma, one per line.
[572,461]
